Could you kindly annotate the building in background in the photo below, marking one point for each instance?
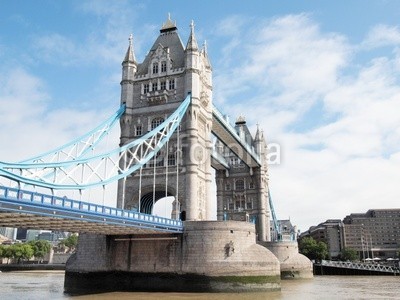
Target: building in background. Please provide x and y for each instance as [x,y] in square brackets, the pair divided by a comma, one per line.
[374,235]
[329,232]
[10,233]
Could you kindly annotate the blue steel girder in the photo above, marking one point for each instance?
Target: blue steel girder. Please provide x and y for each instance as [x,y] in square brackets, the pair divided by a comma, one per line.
[100,170]
[25,209]
[81,146]
[225,132]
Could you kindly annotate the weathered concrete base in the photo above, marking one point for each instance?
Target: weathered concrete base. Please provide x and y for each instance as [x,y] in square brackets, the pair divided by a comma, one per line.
[99,282]
[210,256]
[293,264]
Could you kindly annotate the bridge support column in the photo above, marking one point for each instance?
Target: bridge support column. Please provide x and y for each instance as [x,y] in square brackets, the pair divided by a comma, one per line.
[210,256]
[293,264]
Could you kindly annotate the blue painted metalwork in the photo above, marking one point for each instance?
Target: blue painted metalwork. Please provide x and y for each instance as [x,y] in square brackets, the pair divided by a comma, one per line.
[274,219]
[87,141]
[119,162]
[21,201]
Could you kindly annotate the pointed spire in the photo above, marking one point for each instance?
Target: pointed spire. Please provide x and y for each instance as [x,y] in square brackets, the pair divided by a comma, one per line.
[204,52]
[130,55]
[168,25]
[257,137]
[205,47]
[262,135]
[192,43]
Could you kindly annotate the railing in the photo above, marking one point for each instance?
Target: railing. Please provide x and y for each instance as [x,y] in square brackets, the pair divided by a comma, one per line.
[219,116]
[55,202]
[360,266]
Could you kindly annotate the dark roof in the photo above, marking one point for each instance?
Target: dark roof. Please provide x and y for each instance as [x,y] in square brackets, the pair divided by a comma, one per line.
[171,40]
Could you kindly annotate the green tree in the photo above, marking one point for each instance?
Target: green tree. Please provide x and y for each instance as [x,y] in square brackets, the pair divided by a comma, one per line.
[70,242]
[313,249]
[21,251]
[6,252]
[40,248]
[349,254]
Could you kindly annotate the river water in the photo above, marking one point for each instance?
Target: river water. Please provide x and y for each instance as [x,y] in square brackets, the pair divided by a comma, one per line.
[49,285]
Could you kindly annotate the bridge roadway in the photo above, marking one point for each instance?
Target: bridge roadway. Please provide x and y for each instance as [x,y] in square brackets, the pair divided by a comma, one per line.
[26,209]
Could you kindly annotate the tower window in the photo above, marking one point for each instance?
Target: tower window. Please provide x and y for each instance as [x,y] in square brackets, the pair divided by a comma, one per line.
[249,204]
[172,84]
[138,130]
[154,86]
[146,88]
[171,160]
[239,184]
[155,68]
[163,85]
[251,185]
[227,187]
[155,122]
[163,66]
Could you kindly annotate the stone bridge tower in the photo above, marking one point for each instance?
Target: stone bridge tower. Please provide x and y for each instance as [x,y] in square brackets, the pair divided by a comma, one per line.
[242,192]
[152,90]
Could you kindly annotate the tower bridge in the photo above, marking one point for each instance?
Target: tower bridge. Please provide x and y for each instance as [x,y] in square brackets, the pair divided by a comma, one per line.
[171,137]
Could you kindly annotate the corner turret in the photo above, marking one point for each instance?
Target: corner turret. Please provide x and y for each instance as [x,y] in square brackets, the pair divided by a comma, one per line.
[129,68]
[192,63]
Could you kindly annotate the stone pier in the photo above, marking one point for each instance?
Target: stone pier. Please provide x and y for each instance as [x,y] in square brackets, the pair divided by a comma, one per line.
[293,264]
[210,256]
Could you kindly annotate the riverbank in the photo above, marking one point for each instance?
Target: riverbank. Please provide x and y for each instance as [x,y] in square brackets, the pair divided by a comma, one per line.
[31,267]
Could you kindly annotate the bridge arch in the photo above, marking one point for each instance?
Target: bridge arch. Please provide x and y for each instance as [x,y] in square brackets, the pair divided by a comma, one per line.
[146,201]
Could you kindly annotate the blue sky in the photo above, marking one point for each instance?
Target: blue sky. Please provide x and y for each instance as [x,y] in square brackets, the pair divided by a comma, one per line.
[320,77]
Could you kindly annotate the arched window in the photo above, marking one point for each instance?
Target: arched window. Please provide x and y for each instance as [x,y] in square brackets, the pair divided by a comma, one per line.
[155,122]
[239,185]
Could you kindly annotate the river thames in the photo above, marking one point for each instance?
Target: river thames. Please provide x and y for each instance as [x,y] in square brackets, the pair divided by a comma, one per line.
[49,285]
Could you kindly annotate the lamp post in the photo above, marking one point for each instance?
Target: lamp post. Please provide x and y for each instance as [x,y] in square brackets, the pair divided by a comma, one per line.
[225,214]
[362,241]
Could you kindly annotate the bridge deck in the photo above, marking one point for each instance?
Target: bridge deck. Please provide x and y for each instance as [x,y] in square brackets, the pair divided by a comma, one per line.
[25,209]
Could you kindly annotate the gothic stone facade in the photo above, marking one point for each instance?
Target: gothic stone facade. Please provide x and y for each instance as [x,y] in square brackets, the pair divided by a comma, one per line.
[151,91]
[242,191]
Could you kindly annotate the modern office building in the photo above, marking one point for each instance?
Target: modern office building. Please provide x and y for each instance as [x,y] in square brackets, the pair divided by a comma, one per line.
[374,234]
[9,233]
[329,232]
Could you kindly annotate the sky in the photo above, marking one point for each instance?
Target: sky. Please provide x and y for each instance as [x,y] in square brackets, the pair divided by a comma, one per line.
[321,78]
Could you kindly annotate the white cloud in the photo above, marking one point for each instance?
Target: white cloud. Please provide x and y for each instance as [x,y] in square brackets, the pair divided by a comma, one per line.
[347,160]
[104,44]
[28,126]
[382,35]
